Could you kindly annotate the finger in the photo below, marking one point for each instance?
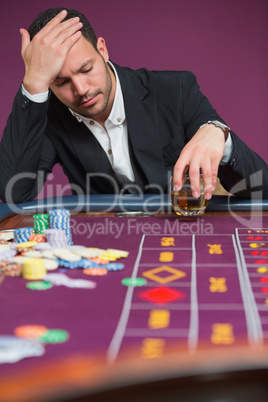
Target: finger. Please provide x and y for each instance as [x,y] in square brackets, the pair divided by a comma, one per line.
[54,22]
[25,40]
[67,33]
[56,26]
[63,27]
[194,175]
[70,41]
[215,167]
[210,173]
[179,172]
[207,180]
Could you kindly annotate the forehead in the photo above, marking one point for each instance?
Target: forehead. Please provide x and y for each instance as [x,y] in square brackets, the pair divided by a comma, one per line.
[79,53]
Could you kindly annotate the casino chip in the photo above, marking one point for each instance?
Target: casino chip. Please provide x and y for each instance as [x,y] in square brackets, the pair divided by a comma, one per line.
[26,244]
[30,331]
[8,268]
[118,253]
[32,254]
[66,255]
[13,349]
[56,237]
[114,266]
[54,336]
[95,271]
[50,264]
[38,238]
[60,219]
[7,254]
[100,260]
[39,285]
[22,234]
[4,247]
[41,223]
[43,246]
[33,268]
[135,282]
[86,252]
[6,235]
[82,263]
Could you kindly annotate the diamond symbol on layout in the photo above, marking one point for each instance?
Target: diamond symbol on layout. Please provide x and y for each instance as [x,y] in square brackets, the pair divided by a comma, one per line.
[161,295]
[154,274]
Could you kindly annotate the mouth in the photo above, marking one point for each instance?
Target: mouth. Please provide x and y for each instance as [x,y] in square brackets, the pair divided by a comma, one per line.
[88,102]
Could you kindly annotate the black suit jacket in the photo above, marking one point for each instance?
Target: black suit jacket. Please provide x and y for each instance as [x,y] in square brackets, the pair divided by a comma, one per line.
[163,109]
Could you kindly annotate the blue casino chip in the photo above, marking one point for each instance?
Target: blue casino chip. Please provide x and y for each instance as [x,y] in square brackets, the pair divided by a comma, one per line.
[114,266]
[59,212]
[22,234]
[83,263]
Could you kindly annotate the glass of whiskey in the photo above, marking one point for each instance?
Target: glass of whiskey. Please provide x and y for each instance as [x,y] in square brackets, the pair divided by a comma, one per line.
[184,203]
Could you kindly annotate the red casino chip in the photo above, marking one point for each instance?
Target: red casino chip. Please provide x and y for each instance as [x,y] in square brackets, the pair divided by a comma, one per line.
[39,238]
[95,271]
[30,331]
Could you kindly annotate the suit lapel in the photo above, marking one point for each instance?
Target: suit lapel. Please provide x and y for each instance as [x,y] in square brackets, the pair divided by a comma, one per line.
[142,121]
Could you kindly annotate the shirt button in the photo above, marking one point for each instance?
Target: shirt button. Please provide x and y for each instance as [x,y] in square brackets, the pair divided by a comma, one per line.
[24,104]
[119,119]
[109,151]
[91,122]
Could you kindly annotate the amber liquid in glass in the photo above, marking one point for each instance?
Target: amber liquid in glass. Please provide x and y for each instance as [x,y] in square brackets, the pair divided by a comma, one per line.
[185,204]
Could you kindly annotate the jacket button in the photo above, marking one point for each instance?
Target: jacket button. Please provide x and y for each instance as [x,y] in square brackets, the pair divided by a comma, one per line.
[24,104]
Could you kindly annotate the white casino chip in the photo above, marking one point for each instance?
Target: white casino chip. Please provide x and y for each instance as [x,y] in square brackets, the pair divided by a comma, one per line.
[66,255]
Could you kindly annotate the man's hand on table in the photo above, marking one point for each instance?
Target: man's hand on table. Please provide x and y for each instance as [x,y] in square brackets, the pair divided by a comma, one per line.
[204,151]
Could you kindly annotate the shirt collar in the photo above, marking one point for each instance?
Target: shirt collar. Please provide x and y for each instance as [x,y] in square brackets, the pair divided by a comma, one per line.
[117,115]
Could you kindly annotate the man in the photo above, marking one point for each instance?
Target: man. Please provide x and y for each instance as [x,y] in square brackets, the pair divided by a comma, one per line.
[113,128]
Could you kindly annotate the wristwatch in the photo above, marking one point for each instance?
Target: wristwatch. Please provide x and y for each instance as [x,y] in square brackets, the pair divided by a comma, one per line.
[222,126]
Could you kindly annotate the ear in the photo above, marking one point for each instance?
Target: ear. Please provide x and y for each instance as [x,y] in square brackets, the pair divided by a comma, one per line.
[101,45]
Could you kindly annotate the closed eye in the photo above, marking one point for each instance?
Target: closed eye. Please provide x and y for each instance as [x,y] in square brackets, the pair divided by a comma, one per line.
[60,84]
[87,71]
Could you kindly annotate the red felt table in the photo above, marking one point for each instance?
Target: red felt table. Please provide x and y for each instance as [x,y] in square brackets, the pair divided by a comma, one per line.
[199,326]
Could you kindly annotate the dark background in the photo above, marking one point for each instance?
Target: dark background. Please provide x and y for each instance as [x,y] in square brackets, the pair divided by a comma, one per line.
[224,42]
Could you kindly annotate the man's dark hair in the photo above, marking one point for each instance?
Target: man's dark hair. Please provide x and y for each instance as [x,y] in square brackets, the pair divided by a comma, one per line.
[45,16]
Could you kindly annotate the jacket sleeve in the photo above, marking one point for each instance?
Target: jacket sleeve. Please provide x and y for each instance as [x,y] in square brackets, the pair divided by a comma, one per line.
[246,173]
[26,154]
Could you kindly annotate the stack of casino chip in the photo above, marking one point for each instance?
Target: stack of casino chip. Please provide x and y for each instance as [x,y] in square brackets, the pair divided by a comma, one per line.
[9,268]
[60,219]
[41,223]
[22,234]
[33,268]
[7,254]
[56,237]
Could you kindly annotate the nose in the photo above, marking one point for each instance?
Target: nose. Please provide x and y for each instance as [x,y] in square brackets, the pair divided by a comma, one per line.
[79,86]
